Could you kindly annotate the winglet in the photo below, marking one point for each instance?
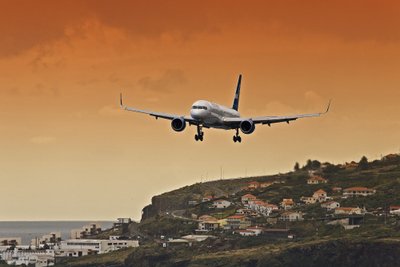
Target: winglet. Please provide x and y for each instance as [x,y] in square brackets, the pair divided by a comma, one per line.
[121,104]
[327,108]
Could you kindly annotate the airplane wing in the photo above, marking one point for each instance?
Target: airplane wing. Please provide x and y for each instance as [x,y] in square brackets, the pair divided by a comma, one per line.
[275,119]
[157,114]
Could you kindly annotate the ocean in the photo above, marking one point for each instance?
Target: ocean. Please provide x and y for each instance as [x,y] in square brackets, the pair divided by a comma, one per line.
[29,230]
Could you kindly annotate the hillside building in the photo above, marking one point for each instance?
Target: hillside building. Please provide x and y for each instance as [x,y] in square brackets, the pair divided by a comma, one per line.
[348,211]
[395,210]
[221,204]
[83,247]
[316,180]
[247,198]
[358,191]
[291,216]
[330,205]
[38,258]
[49,239]
[320,195]
[287,203]
[253,185]
[237,222]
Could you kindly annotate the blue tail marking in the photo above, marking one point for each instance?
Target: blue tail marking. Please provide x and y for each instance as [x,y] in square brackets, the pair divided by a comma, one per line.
[235,105]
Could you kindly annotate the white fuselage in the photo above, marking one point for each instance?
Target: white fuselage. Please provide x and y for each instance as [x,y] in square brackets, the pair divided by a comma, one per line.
[211,114]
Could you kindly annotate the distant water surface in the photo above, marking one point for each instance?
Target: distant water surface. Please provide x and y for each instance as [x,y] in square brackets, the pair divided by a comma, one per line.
[30,230]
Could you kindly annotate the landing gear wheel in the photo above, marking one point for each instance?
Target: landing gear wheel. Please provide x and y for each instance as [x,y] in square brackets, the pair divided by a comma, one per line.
[200,133]
[237,138]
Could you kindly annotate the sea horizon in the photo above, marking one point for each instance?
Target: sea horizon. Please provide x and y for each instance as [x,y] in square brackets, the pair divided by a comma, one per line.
[28,230]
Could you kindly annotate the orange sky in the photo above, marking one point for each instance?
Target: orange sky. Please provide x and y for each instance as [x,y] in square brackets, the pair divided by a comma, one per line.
[68,152]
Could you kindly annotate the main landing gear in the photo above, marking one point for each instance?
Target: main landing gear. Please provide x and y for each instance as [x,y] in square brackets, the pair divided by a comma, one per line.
[200,134]
[236,137]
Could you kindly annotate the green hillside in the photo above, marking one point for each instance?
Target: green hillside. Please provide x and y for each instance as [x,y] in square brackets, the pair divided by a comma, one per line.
[317,240]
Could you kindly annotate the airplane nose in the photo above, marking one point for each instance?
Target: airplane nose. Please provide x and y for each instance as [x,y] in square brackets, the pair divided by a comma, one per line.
[197,114]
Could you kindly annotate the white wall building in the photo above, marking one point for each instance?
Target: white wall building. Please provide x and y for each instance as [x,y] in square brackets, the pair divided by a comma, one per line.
[82,247]
[35,257]
[221,204]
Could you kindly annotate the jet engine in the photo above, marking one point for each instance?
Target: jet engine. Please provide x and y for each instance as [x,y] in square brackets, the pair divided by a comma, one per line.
[247,126]
[178,124]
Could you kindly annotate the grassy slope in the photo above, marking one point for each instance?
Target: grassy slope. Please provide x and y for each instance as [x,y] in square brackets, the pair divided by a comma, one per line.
[332,241]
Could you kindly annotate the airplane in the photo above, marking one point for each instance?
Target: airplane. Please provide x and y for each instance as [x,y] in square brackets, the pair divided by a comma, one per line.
[205,114]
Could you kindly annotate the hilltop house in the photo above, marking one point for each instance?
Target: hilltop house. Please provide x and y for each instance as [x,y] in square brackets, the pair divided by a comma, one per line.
[330,205]
[207,198]
[394,210]
[348,211]
[358,191]
[261,207]
[351,165]
[209,225]
[336,189]
[247,198]
[320,195]
[291,216]
[265,184]
[248,212]
[287,203]
[253,185]
[316,180]
[221,204]
[237,222]
[251,231]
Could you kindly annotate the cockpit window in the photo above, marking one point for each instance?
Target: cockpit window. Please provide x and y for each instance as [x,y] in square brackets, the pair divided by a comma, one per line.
[199,107]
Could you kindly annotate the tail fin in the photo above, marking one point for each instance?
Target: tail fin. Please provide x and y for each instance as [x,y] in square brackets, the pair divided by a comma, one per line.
[235,105]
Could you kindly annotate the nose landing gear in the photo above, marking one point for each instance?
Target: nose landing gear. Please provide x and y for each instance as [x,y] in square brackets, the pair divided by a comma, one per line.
[236,137]
[200,134]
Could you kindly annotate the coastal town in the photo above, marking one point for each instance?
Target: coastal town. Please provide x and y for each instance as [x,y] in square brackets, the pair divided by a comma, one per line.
[313,201]
[47,249]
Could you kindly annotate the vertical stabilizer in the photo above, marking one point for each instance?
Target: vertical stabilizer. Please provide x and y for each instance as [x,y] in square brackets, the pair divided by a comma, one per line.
[235,105]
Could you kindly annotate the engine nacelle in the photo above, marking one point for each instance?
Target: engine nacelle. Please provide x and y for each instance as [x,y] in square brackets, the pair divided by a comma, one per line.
[178,124]
[247,126]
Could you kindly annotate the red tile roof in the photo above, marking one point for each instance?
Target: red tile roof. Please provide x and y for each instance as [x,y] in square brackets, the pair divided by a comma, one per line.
[358,188]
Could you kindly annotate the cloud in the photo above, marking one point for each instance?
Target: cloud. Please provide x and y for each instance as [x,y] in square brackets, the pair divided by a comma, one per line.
[39,140]
[167,81]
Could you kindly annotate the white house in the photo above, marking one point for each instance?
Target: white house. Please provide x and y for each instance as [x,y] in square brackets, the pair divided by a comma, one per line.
[316,180]
[221,204]
[247,198]
[358,191]
[245,232]
[83,247]
[395,210]
[256,229]
[37,258]
[348,211]
[292,216]
[287,203]
[330,205]
[320,195]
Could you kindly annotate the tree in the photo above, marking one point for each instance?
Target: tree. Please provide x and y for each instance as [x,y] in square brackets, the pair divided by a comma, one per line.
[296,167]
[363,164]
